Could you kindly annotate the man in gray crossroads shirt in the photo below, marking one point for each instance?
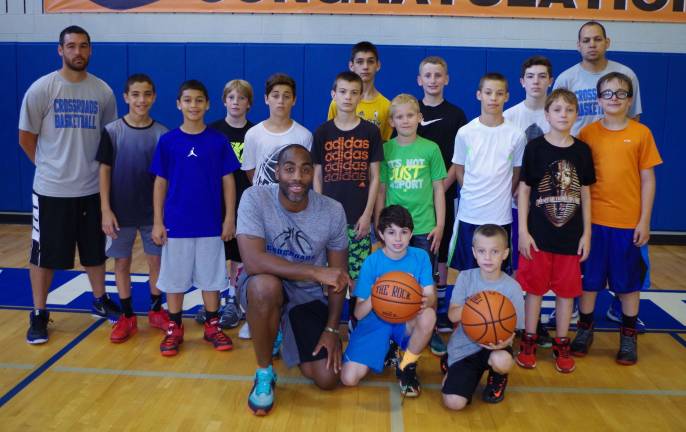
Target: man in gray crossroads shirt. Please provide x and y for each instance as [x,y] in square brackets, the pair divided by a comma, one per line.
[61,119]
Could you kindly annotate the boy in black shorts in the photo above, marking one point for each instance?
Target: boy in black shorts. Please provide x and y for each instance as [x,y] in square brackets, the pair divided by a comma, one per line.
[466,360]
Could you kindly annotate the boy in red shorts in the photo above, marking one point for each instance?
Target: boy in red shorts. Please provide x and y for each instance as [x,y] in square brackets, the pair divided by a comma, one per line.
[555,229]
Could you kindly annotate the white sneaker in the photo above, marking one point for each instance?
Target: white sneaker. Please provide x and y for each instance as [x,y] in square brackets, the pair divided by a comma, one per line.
[244,332]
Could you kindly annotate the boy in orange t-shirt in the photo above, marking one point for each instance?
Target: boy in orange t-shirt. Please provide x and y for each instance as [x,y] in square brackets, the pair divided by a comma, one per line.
[624,155]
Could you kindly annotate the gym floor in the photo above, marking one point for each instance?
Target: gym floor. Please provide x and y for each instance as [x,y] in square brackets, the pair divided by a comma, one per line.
[81,381]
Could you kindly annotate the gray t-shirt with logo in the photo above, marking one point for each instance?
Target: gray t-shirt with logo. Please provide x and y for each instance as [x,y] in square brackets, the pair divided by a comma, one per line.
[583,84]
[302,237]
[469,283]
[68,119]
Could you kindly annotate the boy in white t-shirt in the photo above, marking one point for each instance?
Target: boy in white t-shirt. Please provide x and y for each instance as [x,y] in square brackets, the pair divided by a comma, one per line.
[487,159]
[265,140]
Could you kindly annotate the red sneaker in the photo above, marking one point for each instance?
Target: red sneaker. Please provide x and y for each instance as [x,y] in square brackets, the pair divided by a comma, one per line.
[172,339]
[527,351]
[158,319]
[214,334]
[123,329]
[563,357]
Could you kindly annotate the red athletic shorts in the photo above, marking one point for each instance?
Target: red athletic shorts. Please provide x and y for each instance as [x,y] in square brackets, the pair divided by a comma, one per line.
[550,271]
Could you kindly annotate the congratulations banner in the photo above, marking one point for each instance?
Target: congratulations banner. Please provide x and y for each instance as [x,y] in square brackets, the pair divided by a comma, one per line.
[619,10]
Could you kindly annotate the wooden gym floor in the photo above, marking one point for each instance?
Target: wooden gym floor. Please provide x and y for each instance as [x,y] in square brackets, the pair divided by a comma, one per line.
[80,381]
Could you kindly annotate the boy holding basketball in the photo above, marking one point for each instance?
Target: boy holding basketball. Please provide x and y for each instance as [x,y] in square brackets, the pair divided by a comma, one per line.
[624,155]
[369,341]
[373,106]
[555,230]
[467,360]
[125,151]
[194,166]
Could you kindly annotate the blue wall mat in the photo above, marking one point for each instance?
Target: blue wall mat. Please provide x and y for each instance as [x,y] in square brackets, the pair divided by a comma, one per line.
[262,60]
[322,64]
[9,162]
[109,63]
[33,61]
[214,65]
[166,65]
[314,68]
[670,206]
[465,66]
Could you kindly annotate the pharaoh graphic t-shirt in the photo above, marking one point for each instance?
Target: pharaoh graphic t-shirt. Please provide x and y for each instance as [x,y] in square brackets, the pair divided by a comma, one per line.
[345,157]
[556,175]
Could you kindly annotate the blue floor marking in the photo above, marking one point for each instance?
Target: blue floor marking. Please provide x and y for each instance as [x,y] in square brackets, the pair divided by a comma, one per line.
[45,366]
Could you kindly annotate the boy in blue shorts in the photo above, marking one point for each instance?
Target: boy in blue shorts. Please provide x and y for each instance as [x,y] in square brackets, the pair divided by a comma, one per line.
[369,341]
[194,166]
[125,152]
[467,360]
[624,155]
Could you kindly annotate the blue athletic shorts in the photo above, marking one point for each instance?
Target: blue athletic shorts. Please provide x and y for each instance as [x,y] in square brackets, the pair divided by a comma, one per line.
[369,341]
[462,257]
[613,261]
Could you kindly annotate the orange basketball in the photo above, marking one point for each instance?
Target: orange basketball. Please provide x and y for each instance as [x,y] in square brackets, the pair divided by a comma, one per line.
[488,317]
[396,297]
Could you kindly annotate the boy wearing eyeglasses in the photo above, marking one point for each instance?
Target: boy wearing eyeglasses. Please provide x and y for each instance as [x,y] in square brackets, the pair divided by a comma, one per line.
[624,155]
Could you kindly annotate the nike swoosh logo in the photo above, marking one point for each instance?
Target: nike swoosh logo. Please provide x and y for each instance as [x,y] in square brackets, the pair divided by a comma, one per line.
[427,123]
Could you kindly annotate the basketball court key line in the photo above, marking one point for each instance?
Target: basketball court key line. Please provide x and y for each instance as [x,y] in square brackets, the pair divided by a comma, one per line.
[52,360]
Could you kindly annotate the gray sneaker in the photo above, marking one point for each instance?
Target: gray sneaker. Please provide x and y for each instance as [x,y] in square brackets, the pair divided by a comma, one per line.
[230,314]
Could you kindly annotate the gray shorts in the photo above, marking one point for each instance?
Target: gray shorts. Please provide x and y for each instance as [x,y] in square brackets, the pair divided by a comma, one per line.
[121,246]
[193,262]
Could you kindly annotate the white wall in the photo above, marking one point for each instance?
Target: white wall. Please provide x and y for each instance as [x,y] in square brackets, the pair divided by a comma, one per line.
[34,26]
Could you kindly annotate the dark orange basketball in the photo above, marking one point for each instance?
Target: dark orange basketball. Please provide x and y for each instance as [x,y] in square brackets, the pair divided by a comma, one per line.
[396,297]
[488,317]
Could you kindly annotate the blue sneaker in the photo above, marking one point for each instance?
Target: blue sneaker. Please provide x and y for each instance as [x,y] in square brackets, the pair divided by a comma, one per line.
[437,346]
[614,314]
[261,399]
[105,307]
[575,315]
[277,345]
[38,327]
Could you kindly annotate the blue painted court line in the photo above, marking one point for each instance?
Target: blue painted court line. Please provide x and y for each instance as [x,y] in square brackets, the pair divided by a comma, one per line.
[677,337]
[45,366]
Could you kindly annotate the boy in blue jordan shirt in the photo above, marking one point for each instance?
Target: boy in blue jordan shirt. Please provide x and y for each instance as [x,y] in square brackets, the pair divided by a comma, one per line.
[194,166]
[369,341]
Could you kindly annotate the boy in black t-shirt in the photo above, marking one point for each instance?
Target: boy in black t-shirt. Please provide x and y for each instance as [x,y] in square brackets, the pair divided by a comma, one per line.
[237,97]
[555,225]
[346,152]
[440,123]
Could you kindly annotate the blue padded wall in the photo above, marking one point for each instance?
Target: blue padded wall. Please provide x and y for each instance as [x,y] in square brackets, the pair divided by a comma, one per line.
[314,67]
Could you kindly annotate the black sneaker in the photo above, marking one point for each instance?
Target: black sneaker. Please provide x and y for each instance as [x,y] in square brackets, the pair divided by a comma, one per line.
[105,307]
[409,383]
[443,324]
[544,340]
[494,391]
[628,346]
[582,340]
[444,363]
[392,356]
[38,327]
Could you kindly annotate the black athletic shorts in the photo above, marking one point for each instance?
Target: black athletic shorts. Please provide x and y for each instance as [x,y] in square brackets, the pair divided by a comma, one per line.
[464,375]
[62,224]
[231,251]
[308,321]
[447,228]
